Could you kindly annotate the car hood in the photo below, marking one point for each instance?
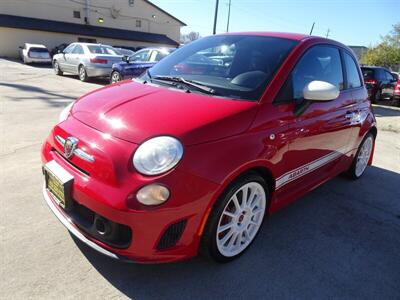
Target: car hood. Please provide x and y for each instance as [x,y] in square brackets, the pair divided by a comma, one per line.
[135,112]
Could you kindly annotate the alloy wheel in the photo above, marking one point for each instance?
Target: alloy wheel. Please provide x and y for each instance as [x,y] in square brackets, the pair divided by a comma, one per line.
[363,156]
[241,219]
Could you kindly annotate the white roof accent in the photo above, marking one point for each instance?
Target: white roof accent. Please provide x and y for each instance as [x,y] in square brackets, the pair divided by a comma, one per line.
[28,45]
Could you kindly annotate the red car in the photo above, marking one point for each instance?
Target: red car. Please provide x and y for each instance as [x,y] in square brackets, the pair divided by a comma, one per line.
[166,166]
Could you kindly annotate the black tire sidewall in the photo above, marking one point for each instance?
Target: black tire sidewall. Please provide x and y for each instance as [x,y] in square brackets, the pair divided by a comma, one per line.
[112,74]
[209,244]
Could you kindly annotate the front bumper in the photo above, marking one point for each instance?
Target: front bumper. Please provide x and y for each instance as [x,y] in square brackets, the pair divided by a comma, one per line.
[106,188]
[74,230]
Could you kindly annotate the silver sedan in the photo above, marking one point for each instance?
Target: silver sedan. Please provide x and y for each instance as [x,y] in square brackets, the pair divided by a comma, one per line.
[86,60]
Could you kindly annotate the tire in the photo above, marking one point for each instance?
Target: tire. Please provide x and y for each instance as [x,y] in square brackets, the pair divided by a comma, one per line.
[56,67]
[377,96]
[82,74]
[115,77]
[238,224]
[362,157]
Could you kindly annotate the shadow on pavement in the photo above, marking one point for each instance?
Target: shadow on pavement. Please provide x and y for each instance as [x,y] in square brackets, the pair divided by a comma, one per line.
[386,112]
[341,240]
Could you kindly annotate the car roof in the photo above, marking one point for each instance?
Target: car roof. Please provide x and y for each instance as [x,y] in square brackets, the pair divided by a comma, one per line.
[35,45]
[284,35]
[91,44]
[156,48]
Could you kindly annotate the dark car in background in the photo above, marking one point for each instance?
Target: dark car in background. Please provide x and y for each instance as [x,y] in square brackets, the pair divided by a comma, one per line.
[380,83]
[135,65]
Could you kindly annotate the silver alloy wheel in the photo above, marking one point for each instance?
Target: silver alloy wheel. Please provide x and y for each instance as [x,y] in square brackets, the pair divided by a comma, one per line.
[115,77]
[82,73]
[56,68]
[363,156]
[241,219]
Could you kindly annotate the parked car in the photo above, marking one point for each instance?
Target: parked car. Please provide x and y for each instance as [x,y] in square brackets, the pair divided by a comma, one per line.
[397,87]
[58,49]
[125,52]
[137,63]
[86,60]
[161,167]
[34,53]
[380,82]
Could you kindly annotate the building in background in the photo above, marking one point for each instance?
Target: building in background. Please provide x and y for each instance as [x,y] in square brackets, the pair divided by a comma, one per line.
[131,23]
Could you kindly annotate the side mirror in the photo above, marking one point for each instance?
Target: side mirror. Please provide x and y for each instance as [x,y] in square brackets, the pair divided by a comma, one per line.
[125,58]
[320,91]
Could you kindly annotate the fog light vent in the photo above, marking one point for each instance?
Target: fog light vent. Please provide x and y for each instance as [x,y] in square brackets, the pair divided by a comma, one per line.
[172,235]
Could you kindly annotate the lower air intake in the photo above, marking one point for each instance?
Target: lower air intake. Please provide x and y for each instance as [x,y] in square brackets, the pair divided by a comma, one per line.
[172,235]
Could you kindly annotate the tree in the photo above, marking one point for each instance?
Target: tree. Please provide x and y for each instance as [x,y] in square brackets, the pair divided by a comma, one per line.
[387,52]
[190,37]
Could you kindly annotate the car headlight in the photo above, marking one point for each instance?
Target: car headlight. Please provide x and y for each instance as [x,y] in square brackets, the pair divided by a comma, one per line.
[65,113]
[158,155]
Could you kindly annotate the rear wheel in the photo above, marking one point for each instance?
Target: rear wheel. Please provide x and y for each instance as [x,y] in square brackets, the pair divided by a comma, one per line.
[362,157]
[236,219]
[57,69]
[115,77]
[83,74]
[378,96]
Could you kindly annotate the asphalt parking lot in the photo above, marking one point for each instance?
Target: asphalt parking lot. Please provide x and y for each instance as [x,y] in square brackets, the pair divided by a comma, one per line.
[340,241]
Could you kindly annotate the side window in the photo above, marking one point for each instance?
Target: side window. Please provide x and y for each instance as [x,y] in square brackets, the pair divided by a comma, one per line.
[321,63]
[77,50]
[389,76]
[69,49]
[140,56]
[153,55]
[353,77]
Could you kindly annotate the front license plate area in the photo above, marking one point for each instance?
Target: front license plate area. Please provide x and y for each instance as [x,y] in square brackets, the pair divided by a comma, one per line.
[59,184]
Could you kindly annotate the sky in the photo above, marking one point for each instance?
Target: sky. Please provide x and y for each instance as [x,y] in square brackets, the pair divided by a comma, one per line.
[352,22]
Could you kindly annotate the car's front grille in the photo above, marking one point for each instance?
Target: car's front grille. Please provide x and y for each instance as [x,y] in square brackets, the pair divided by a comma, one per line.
[71,163]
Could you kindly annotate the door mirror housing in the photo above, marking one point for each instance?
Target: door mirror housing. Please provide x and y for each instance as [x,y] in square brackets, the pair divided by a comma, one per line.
[320,91]
[126,58]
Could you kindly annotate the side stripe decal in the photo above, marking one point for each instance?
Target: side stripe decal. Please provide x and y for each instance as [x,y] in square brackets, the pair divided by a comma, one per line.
[307,168]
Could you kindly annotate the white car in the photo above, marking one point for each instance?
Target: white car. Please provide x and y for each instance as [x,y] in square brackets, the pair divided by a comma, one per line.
[34,53]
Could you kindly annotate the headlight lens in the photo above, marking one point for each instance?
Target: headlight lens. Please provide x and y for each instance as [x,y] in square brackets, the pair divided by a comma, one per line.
[65,113]
[157,155]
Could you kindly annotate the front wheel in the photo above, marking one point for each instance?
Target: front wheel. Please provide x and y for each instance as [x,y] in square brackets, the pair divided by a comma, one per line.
[57,69]
[362,157]
[115,77]
[236,219]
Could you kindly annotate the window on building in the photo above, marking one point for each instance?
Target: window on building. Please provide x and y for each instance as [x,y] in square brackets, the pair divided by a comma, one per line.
[138,23]
[131,2]
[86,40]
[77,14]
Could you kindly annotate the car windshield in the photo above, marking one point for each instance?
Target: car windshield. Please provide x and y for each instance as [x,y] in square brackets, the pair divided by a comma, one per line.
[125,52]
[233,66]
[101,49]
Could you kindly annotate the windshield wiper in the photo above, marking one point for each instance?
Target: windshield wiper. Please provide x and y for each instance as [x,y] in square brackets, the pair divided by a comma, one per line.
[193,84]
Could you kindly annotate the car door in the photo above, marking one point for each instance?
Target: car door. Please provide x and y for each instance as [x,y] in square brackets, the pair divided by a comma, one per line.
[75,57]
[318,137]
[63,61]
[390,83]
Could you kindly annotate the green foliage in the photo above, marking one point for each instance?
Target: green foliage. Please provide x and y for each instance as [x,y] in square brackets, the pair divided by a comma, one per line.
[387,52]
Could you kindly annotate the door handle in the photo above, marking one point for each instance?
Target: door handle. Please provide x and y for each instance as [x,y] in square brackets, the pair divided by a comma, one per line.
[349,115]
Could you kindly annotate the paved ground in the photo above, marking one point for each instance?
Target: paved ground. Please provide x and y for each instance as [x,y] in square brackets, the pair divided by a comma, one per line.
[340,241]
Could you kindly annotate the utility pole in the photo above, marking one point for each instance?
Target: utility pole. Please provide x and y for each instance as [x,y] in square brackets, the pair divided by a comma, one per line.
[215,17]
[229,16]
[312,28]
[87,4]
[327,33]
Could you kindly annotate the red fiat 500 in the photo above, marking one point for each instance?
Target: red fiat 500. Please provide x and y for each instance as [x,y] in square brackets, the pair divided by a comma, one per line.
[193,155]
